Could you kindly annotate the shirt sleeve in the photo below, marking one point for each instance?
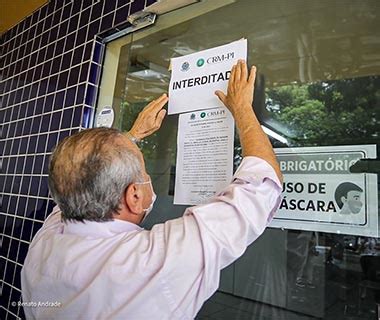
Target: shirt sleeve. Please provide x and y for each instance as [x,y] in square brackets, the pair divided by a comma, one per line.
[209,237]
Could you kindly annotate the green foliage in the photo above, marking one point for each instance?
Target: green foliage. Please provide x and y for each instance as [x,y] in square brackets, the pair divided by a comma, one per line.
[328,113]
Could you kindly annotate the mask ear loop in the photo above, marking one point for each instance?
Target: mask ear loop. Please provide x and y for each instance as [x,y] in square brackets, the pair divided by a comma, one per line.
[154,197]
[145,182]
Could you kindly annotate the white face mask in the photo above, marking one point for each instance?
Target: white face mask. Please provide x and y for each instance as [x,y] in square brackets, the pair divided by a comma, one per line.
[154,197]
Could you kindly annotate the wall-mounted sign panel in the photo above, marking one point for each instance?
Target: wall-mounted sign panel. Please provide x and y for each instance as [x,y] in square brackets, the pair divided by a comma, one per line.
[321,194]
[195,77]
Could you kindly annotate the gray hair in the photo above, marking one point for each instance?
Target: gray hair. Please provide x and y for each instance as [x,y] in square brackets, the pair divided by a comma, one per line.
[89,171]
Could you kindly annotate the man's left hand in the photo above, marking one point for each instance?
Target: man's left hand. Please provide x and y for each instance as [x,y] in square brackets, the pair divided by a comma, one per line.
[150,118]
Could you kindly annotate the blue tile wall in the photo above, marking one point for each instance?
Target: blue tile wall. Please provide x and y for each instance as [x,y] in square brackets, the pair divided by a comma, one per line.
[50,71]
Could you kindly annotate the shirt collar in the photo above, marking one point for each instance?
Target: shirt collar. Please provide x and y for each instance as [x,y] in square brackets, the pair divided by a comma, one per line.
[94,229]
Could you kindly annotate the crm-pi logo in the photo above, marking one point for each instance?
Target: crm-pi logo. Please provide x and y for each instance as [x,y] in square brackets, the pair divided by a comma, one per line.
[200,62]
[221,58]
[185,66]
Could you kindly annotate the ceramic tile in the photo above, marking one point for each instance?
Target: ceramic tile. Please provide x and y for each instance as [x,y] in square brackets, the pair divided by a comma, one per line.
[45,86]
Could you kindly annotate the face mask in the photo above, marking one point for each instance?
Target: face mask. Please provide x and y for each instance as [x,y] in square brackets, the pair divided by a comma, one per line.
[154,197]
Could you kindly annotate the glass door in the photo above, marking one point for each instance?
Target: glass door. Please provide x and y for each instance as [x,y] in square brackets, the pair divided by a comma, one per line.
[318,85]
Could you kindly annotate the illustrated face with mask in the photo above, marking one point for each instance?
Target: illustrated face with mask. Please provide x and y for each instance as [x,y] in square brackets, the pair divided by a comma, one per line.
[154,197]
[353,201]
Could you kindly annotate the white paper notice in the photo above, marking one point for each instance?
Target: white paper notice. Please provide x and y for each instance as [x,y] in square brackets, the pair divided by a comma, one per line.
[204,156]
[195,77]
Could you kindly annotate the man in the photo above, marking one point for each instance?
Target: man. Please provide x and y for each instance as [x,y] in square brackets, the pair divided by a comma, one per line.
[99,264]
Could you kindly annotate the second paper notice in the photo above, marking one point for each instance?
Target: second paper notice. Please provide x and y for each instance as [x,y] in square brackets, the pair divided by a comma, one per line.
[205,150]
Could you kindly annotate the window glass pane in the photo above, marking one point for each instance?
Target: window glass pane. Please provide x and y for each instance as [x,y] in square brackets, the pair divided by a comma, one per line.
[318,85]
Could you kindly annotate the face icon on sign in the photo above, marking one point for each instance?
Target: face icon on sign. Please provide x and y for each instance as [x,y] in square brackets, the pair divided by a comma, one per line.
[348,196]
[353,201]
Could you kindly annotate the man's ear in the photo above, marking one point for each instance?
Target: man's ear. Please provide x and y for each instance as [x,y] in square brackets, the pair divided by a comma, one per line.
[133,199]
[343,199]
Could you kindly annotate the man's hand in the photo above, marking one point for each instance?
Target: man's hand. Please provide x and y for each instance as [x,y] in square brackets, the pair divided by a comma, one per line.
[238,100]
[240,90]
[150,118]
